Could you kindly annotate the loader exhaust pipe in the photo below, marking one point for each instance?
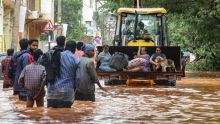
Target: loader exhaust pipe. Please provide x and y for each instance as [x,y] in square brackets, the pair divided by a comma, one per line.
[138,4]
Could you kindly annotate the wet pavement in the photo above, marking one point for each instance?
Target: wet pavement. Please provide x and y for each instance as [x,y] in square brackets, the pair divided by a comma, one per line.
[195,99]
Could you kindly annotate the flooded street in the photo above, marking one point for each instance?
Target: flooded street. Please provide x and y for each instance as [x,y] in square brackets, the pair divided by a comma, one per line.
[195,99]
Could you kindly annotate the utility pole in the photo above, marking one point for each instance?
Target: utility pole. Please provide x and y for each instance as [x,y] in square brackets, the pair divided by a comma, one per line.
[59,13]
[15,29]
[1,24]
[59,16]
[138,3]
[96,12]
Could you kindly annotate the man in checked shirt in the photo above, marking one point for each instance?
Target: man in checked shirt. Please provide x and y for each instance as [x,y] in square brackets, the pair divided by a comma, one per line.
[32,78]
[7,81]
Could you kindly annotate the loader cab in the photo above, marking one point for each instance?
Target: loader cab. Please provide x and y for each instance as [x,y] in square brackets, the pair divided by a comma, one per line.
[141,27]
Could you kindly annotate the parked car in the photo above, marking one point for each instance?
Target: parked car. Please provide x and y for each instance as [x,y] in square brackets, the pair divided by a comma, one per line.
[2,56]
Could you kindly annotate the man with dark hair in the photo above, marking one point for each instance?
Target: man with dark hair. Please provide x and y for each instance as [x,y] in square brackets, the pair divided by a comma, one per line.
[10,52]
[79,45]
[86,88]
[23,58]
[33,44]
[79,53]
[51,60]
[71,46]
[61,93]
[23,44]
[32,78]
[37,54]
[12,64]
[61,41]
[5,62]
[56,56]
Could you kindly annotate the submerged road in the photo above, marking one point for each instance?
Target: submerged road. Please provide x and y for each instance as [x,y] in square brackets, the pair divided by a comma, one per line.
[195,99]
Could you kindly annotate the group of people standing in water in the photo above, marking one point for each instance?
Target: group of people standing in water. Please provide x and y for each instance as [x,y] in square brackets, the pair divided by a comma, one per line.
[72,65]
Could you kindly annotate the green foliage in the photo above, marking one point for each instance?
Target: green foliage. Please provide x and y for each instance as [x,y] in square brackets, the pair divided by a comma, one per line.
[194,25]
[113,5]
[71,14]
[102,27]
[202,65]
[197,30]
[44,37]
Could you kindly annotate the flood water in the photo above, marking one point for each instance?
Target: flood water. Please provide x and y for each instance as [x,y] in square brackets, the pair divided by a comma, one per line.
[195,99]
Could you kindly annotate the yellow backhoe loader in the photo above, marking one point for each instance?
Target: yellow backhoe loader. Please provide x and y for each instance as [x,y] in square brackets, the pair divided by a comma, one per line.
[144,27]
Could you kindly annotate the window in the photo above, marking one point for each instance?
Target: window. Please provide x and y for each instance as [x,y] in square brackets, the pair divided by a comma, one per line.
[150,25]
[31,5]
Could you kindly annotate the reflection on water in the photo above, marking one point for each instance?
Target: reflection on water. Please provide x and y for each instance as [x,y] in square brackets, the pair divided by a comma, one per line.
[193,100]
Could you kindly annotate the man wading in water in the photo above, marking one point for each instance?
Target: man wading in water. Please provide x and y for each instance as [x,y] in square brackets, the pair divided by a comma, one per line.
[86,89]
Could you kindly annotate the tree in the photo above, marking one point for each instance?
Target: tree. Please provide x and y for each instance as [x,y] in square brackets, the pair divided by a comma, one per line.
[71,14]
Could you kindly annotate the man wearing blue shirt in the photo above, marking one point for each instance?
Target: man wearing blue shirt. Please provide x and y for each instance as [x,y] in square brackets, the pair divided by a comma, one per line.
[22,59]
[61,92]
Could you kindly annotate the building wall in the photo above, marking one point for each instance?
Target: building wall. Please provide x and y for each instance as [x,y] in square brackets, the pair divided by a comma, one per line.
[33,27]
[87,12]
[1,23]
[89,7]
[6,37]
[8,23]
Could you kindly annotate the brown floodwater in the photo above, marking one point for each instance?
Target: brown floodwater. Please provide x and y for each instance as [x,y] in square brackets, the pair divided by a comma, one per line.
[195,99]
